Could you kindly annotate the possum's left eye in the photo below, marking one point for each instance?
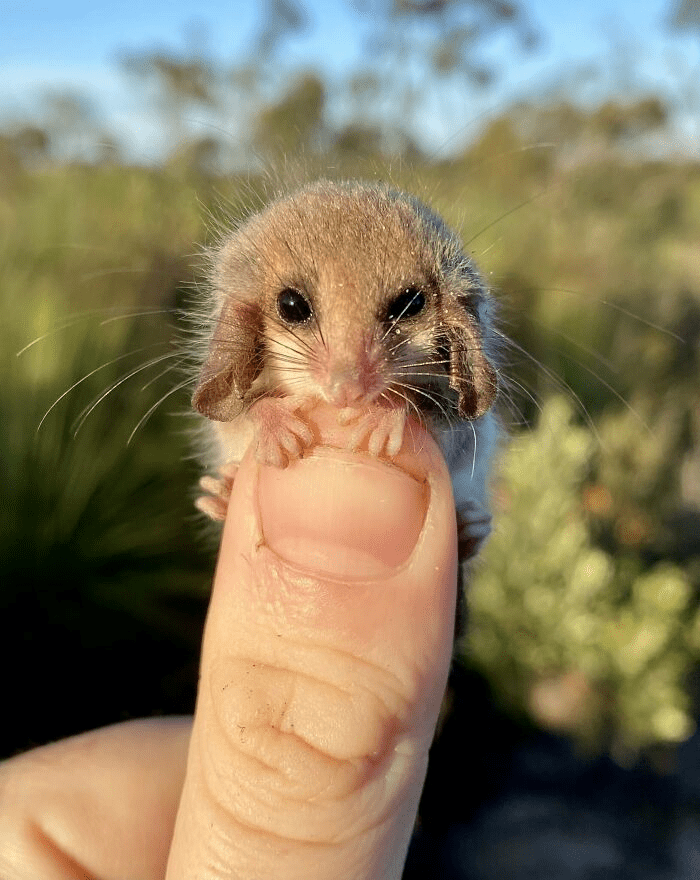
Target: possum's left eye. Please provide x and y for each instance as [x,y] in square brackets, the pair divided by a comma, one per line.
[293,307]
[406,305]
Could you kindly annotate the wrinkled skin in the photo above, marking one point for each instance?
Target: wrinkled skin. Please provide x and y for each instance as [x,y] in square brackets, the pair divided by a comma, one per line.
[324,661]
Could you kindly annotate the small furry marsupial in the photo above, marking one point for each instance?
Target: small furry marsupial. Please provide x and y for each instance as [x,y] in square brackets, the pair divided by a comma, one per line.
[357,295]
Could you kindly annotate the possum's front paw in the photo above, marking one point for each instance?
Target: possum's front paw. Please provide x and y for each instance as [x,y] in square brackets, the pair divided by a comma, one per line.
[215,503]
[381,428]
[473,528]
[281,434]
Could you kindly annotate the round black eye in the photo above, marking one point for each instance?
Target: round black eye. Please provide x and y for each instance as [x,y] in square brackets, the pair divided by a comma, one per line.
[293,306]
[406,305]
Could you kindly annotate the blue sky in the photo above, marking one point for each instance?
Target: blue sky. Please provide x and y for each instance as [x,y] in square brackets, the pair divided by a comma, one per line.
[74,44]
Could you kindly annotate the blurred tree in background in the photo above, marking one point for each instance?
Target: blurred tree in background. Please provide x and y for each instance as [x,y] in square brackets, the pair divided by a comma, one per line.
[585,222]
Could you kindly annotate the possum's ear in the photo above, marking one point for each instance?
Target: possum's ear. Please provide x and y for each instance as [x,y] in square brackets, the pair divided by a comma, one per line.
[233,362]
[472,375]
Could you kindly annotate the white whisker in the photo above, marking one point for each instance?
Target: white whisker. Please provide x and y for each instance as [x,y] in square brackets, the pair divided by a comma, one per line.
[80,420]
[87,376]
[142,421]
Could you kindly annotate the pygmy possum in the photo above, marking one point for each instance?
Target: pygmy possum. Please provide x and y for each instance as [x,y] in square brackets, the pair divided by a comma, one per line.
[360,296]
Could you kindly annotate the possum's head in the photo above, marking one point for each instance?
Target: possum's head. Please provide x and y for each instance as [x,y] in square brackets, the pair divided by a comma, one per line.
[353,294]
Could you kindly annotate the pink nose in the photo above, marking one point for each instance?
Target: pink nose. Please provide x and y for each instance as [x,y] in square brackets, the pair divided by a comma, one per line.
[344,391]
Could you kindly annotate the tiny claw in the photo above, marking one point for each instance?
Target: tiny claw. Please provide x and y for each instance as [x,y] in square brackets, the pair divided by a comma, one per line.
[281,434]
[214,508]
[212,486]
[218,492]
[270,453]
[383,430]
[349,414]
[376,442]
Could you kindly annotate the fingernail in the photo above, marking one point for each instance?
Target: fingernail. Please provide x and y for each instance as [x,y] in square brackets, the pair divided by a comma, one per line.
[342,515]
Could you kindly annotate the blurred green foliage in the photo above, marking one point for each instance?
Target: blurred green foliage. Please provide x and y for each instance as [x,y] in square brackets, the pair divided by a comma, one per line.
[590,643]
[102,573]
[584,606]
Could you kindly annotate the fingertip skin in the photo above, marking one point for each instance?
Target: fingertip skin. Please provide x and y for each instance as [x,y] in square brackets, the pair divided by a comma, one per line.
[325,658]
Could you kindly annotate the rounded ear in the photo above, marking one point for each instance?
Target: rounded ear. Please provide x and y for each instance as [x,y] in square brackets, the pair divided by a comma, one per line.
[472,375]
[233,362]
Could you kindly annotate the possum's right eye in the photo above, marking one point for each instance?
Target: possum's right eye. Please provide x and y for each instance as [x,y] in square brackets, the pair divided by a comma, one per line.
[293,307]
[406,305]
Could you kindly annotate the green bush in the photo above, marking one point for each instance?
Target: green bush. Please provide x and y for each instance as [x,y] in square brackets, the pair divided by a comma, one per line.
[584,642]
